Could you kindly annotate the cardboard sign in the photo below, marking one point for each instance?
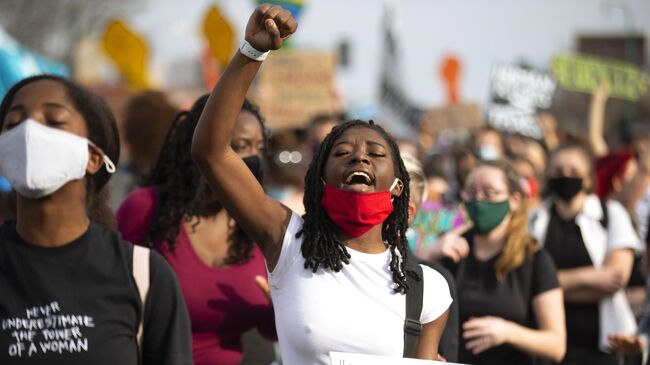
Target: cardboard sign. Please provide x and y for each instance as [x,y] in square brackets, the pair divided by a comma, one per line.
[129,52]
[585,74]
[294,86]
[517,94]
[342,358]
[453,117]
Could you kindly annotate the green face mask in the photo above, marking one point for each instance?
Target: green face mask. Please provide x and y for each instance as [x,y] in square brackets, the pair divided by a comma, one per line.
[486,215]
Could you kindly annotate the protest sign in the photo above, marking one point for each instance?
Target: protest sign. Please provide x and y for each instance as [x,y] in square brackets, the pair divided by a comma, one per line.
[517,94]
[293,86]
[219,34]
[586,73]
[453,117]
[129,51]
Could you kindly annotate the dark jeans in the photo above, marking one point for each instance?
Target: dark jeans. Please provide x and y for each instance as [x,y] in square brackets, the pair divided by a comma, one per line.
[586,356]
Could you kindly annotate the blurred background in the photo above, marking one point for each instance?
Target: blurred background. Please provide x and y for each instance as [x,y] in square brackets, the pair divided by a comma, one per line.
[392,61]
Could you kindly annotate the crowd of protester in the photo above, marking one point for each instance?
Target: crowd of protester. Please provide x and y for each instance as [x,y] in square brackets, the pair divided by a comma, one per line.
[497,249]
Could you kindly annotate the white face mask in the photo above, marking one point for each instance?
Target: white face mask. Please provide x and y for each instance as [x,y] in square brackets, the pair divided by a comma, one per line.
[488,153]
[39,160]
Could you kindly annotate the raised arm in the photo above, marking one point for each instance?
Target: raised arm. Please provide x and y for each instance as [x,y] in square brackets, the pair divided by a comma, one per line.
[597,121]
[262,218]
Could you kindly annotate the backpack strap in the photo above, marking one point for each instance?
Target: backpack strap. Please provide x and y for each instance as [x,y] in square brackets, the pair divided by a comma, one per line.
[141,277]
[604,221]
[414,296]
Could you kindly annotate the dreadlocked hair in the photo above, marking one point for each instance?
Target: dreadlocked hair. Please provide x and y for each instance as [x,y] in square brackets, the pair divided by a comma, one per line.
[321,247]
[182,193]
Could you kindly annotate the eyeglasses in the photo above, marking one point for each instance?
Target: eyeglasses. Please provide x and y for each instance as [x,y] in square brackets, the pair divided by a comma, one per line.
[487,194]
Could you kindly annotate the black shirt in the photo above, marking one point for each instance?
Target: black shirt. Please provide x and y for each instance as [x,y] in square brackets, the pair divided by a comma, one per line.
[481,294]
[448,346]
[564,243]
[78,304]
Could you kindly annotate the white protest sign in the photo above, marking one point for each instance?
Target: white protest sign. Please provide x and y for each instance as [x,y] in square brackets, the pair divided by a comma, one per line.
[517,94]
[343,358]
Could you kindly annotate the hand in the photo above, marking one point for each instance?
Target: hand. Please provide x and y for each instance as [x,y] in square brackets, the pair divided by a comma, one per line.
[601,93]
[263,284]
[547,122]
[440,358]
[606,281]
[625,344]
[269,26]
[483,333]
[451,245]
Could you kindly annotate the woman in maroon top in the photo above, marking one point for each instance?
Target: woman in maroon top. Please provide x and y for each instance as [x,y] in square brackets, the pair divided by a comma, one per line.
[216,264]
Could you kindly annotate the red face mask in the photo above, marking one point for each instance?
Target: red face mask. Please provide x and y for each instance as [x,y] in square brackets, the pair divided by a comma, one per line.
[356,213]
[531,187]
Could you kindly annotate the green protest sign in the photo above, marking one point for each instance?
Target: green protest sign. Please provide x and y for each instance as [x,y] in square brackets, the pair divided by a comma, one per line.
[585,73]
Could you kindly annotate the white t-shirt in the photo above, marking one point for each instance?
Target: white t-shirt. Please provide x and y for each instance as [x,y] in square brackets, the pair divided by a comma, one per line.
[642,210]
[354,310]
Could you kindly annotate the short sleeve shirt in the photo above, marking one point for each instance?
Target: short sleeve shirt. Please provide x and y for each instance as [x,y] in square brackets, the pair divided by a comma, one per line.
[353,310]
[78,304]
[481,294]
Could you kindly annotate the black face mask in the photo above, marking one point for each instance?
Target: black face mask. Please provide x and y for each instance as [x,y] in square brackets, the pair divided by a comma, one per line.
[565,188]
[255,164]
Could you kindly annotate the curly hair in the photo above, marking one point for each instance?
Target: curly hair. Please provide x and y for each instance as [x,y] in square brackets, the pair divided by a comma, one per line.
[183,194]
[321,247]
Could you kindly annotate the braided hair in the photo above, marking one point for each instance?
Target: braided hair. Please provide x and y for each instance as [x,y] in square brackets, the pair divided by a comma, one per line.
[321,247]
[183,194]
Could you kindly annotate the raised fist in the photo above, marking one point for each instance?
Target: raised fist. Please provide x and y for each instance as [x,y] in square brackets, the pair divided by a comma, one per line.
[269,26]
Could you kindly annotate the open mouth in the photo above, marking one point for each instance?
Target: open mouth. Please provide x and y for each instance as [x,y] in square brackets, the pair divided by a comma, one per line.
[358,181]
[358,177]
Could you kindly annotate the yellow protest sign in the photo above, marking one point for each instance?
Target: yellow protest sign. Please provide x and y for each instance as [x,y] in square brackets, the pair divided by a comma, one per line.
[129,52]
[219,34]
[585,73]
[294,86]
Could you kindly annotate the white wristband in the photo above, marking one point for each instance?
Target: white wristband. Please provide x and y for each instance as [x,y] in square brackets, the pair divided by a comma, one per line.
[247,50]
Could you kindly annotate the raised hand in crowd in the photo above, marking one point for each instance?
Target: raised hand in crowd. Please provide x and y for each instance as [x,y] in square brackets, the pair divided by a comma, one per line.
[597,121]
[451,245]
[548,123]
[262,218]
